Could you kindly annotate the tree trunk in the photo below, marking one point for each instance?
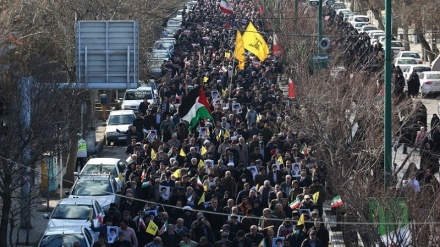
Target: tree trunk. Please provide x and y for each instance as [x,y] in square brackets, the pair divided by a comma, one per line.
[405,38]
[68,178]
[425,46]
[6,208]
[378,17]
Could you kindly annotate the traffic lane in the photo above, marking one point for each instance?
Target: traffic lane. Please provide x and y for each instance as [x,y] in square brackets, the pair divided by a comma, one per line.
[115,151]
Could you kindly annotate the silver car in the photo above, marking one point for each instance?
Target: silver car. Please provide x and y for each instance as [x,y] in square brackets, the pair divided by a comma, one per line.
[103,188]
[66,236]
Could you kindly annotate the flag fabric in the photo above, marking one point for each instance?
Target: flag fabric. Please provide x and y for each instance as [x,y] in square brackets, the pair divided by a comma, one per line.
[120,177]
[225,7]
[194,107]
[141,223]
[152,228]
[164,228]
[276,49]
[300,220]
[177,173]
[203,150]
[205,79]
[182,153]
[336,202]
[146,184]
[280,160]
[143,175]
[199,182]
[295,204]
[304,150]
[315,197]
[260,10]
[239,48]
[262,243]
[153,154]
[100,219]
[255,43]
[227,55]
[201,163]
[202,199]
[292,90]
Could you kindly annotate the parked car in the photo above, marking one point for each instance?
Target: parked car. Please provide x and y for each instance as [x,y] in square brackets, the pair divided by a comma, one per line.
[359,25]
[104,166]
[404,63]
[338,5]
[160,54]
[155,68]
[429,82]
[174,22]
[102,188]
[164,45]
[412,54]
[66,236]
[119,120]
[358,18]
[368,28]
[417,68]
[170,32]
[76,212]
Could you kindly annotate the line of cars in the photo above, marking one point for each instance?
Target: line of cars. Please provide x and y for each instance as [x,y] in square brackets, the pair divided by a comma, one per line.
[99,184]
[408,61]
[163,49]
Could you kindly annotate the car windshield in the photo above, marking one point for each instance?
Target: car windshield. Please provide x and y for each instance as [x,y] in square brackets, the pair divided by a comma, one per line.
[396,44]
[100,169]
[421,69]
[71,212]
[92,188]
[361,19]
[432,76]
[62,240]
[138,95]
[407,61]
[121,119]
[360,24]
[369,28]
[414,55]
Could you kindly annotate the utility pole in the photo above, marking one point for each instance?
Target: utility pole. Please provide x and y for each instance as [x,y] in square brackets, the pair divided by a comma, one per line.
[319,25]
[387,99]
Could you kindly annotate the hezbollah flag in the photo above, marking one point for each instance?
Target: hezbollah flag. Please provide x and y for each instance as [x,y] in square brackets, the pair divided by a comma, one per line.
[194,107]
[152,228]
[239,50]
[255,43]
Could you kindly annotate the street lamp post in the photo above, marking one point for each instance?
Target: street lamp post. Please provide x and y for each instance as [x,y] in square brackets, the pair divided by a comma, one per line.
[319,25]
[387,99]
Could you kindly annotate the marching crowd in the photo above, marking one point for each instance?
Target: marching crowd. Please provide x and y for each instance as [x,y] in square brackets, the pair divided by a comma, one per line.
[241,178]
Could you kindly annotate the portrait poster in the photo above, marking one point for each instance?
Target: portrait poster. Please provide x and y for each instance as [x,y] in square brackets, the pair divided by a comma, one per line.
[164,192]
[112,234]
[278,242]
[151,135]
[253,169]
[215,94]
[236,107]
[296,170]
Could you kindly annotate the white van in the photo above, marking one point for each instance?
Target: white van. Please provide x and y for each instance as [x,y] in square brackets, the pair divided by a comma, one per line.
[133,97]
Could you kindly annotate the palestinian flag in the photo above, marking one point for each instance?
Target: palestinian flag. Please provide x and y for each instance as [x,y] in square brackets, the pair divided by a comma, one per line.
[336,202]
[295,204]
[194,107]
[262,243]
[225,7]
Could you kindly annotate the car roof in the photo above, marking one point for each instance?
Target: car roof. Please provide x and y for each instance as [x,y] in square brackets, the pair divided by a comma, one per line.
[431,72]
[144,88]
[84,201]
[63,230]
[121,112]
[409,52]
[405,58]
[100,177]
[99,161]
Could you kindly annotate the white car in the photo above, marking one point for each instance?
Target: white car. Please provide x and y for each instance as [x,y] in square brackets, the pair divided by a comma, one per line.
[102,188]
[119,121]
[104,166]
[160,54]
[358,18]
[404,63]
[66,236]
[133,97]
[174,22]
[412,54]
[417,68]
[368,28]
[164,45]
[358,25]
[339,11]
[429,82]
[338,5]
[75,212]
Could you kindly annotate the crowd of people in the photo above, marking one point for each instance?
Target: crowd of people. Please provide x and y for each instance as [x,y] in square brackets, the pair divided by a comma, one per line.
[244,178]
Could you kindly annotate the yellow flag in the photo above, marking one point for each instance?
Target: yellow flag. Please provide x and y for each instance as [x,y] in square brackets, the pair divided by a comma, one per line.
[205,79]
[255,43]
[226,135]
[201,163]
[205,187]
[153,154]
[280,160]
[120,177]
[239,47]
[300,220]
[203,151]
[182,153]
[219,135]
[241,65]
[316,197]
[223,92]
[227,55]
[202,199]
[177,173]
[152,228]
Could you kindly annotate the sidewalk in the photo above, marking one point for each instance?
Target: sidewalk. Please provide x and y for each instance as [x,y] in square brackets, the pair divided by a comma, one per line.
[39,206]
